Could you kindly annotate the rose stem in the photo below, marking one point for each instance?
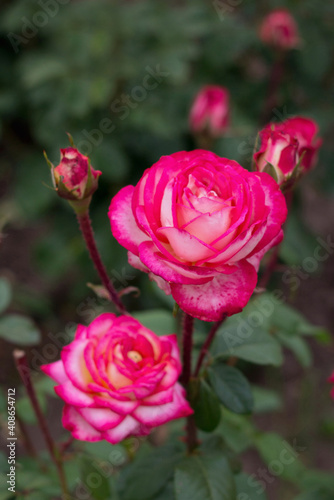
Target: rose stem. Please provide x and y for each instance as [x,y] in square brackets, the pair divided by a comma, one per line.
[188,327]
[187,339]
[24,372]
[207,344]
[274,83]
[275,254]
[88,235]
[27,443]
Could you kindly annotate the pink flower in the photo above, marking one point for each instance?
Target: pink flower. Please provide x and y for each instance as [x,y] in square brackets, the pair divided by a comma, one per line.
[286,145]
[199,225]
[75,179]
[280,30]
[210,111]
[118,379]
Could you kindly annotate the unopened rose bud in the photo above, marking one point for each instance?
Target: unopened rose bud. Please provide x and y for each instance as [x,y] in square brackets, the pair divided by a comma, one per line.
[280,30]
[288,149]
[210,111]
[74,178]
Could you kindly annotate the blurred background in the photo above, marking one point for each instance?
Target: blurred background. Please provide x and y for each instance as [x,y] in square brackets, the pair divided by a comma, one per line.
[121,76]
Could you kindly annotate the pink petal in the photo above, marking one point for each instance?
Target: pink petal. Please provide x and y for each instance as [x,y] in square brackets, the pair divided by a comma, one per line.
[135,262]
[171,271]
[101,419]
[185,246]
[123,224]
[172,373]
[81,332]
[121,407]
[159,398]
[256,258]
[73,396]
[127,427]
[157,415]
[73,359]
[225,294]
[78,426]
[277,214]
[101,325]
[56,371]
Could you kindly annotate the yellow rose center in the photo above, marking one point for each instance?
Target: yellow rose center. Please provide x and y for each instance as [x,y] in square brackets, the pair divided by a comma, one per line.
[135,356]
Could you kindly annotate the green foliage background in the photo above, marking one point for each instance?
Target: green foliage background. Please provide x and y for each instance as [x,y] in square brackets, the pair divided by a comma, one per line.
[68,75]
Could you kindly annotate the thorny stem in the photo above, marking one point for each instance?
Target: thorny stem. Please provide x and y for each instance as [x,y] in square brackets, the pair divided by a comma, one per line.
[88,235]
[274,83]
[26,438]
[24,372]
[207,344]
[187,340]
[191,434]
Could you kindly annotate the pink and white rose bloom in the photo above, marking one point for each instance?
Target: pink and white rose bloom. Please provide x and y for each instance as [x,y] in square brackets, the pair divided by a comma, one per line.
[279,29]
[75,179]
[210,111]
[118,379]
[288,144]
[199,225]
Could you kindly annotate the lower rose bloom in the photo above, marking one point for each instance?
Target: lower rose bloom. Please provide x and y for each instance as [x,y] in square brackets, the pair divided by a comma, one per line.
[199,225]
[118,379]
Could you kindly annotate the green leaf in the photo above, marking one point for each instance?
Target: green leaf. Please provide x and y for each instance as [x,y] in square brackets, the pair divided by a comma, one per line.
[115,454]
[237,431]
[204,478]
[284,318]
[316,493]
[231,387]
[270,169]
[318,479]
[148,475]
[159,321]
[94,478]
[167,493]
[7,495]
[253,344]
[248,488]
[206,406]
[5,294]
[281,457]
[19,330]
[298,346]
[266,400]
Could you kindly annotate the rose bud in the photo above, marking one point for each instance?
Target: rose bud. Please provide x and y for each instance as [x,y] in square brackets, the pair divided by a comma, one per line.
[280,30]
[74,178]
[118,379]
[288,149]
[210,111]
[199,225]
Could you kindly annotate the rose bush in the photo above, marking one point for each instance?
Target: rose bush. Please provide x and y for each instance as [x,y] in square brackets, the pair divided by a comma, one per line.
[280,30]
[210,111]
[74,177]
[288,144]
[118,379]
[199,225]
